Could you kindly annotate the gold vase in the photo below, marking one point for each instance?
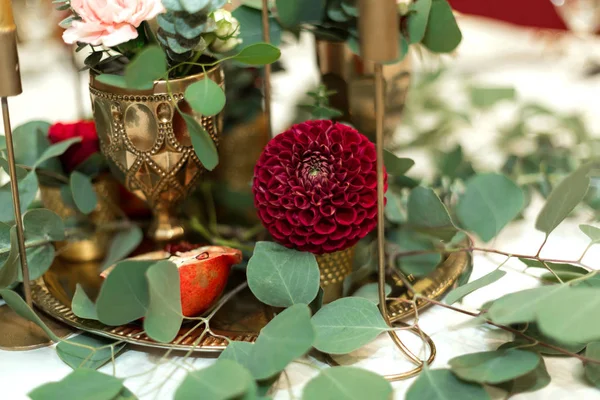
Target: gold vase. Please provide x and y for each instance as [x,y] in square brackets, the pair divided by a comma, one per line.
[334,268]
[354,81]
[148,146]
[95,247]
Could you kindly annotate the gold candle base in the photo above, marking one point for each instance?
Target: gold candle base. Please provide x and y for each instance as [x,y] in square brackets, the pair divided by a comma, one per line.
[20,334]
[335,267]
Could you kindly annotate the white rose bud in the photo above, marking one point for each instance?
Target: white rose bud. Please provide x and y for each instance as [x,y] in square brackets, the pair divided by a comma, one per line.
[227,32]
[403,6]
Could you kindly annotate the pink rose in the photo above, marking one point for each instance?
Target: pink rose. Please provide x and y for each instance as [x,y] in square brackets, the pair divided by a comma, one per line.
[109,22]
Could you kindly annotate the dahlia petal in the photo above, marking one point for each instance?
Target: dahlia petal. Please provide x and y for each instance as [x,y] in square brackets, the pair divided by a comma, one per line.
[345,216]
[325,226]
[342,232]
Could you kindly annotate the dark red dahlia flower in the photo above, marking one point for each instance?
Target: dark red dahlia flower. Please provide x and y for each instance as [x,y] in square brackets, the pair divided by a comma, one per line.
[315,187]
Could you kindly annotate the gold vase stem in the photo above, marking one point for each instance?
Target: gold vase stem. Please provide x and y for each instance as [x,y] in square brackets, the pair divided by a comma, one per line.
[14,187]
[267,79]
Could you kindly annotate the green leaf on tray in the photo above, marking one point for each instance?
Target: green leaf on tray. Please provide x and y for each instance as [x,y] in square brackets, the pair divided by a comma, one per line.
[20,307]
[258,54]
[83,192]
[205,97]
[239,352]
[417,20]
[81,304]
[442,384]
[83,383]
[486,97]
[164,316]
[494,366]
[489,203]
[287,337]
[591,231]
[292,13]
[75,355]
[148,66]
[442,34]
[370,291]
[124,294]
[563,200]
[204,147]
[460,292]
[56,150]
[530,382]
[223,380]
[592,371]
[427,214]
[123,244]
[347,383]
[346,325]
[396,166]
[42,224]
[282,277]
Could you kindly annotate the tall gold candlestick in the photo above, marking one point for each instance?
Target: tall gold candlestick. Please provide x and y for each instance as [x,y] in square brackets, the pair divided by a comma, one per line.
[267,79]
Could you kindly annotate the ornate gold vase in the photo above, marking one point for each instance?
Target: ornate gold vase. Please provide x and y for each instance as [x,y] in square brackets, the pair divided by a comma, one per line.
[354,81]
[95,247]
[335,267]
[148,146]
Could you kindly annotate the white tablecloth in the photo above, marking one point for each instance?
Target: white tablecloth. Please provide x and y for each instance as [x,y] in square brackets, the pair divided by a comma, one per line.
[491,53]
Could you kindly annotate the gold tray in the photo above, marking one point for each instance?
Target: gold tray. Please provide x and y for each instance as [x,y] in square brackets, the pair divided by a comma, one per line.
[240,319]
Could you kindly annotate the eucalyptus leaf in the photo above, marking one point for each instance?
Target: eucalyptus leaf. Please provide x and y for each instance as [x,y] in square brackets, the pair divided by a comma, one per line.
[395,165]
[39,260]
[76,352]
[521,306]
[30,140]
[370,291]
[489,203]
[204,147]
[148,66]
[56,150]
[287,337]
[563,200]
[164,316]
[112,80]
[556,267]
[205,97]
[251,26]
[533,331]
[123,244]
[348,383]
[418,265]
[592,371]
[19,306]
[417,20]
[592,232]
[258,54]
[83,192]
[486,97]
[282,277]
[239,352]
[43,224]
[292,13]
[494,366]
[9,272]
[93,165]
[223,380]
[124,294]
[442,34]
[82,306]
[427,214]
[346,325]
[442,384]
[531,382]
[460,292]
[83,383]
[28,188]
[393,208]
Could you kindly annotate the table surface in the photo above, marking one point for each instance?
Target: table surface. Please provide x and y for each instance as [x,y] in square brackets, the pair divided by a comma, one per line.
[492,54]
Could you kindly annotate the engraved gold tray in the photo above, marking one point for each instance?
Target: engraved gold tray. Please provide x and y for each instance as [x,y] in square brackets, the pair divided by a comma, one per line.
[240,319]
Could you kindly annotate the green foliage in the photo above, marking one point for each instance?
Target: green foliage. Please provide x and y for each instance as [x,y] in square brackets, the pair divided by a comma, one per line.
[592,371]
[282,277]
[28,188]
[123,243]
[124,294]
[395,165]
[417,20]
[556,267]
[563,200]
[490,202]
[521,306]
[346,325]
[347,383]
[204,147]
[239,352]
[205,97]
[531,382]
[418,265]
[163,318]
[83,192]
[40,224]
[288,336]
[223,380]
[9,271]
[251,26]
[296,12]
[81,304]
[113,80]
[83,383]
[148,66]
[441,384]
[258,54]
[427,214]
[85,351]
[592,232]
[494,366]
[55,150]
[442,34]
[19,306]
[486,97]
[533,331]
[460,292]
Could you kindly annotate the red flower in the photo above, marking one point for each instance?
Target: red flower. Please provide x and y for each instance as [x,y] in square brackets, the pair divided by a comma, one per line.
[79,152]
[315,187]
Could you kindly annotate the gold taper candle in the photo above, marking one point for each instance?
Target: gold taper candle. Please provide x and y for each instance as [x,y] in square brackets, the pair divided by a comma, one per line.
[378,27]
[10,76]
